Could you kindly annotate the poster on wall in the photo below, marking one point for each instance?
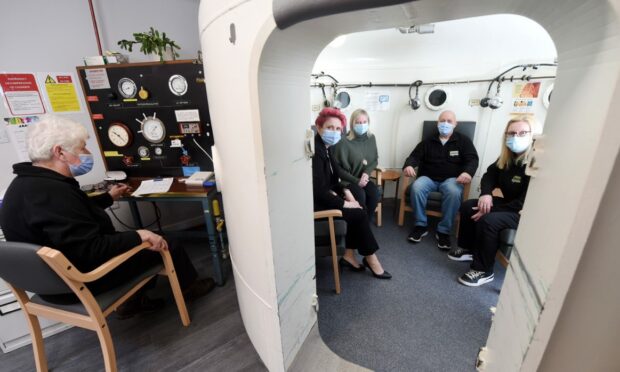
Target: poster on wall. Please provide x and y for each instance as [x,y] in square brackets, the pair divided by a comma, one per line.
[21,94]
[523,95]
[377,101]
[17,128]
[60,91]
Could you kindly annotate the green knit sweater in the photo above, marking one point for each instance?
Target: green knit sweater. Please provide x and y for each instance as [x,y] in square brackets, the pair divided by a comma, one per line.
[355,157]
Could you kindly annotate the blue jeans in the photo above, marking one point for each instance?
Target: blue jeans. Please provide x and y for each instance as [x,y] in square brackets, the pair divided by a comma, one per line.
[451,194]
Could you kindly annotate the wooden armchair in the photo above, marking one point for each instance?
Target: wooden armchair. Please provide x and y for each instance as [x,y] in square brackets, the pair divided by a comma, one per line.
[377,174]
[329,238]
[46,271]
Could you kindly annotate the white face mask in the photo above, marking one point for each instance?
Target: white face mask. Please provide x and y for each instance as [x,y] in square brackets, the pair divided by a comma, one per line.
[445,128]
[518,144]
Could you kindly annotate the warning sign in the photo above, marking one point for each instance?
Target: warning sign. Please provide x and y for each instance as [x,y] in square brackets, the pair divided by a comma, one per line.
[21,94]
[61,92]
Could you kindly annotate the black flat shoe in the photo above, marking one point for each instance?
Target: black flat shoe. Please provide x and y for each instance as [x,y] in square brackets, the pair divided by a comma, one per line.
[347,264]
[385,274]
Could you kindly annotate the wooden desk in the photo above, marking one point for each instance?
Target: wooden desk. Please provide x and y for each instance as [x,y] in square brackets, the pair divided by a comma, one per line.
[179,192]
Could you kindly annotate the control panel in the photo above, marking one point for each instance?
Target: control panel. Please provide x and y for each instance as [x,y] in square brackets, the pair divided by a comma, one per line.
[151,119]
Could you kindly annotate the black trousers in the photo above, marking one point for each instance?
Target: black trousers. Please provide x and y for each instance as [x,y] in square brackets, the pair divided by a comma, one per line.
[482,237]
[368,197]
[186,273]
[359,235]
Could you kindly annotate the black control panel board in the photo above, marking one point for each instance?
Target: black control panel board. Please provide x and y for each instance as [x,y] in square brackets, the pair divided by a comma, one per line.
[151,119]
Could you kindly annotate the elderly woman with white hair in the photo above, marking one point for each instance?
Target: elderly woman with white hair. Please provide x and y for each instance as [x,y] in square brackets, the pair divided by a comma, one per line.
[44,205]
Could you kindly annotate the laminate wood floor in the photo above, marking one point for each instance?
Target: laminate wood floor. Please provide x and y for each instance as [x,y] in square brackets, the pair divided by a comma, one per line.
[215,340]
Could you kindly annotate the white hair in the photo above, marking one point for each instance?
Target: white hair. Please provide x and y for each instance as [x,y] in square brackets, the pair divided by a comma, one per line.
[52,130]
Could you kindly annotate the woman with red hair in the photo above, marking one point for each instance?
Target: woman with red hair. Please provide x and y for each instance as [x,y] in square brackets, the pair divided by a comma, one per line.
[329,194]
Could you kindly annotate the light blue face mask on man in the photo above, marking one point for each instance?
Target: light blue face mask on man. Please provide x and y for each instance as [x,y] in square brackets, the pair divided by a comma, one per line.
[445,128]
[360,129]
[86,165]
[330,137]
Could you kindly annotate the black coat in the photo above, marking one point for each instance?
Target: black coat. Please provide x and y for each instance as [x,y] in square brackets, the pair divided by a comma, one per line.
[324,178]
[440,162]
[512,181]
[46,208]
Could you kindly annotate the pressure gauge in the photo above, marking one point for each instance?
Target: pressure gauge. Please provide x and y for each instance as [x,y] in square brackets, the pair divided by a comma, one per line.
[143,151]
[158,151]
[120,135]
[127,88]
[177,85]
[152,128]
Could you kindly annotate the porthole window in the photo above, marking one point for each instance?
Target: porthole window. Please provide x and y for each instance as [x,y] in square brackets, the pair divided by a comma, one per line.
[547,96]
[436,98]
[343,99]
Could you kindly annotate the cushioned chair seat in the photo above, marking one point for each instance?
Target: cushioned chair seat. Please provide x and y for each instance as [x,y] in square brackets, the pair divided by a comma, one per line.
[105,299]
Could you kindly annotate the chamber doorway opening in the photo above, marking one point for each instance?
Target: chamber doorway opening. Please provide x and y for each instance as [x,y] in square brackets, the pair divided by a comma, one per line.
[423,317]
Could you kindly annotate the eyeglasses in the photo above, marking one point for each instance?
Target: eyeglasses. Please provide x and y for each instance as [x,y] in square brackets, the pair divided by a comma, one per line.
[522,133]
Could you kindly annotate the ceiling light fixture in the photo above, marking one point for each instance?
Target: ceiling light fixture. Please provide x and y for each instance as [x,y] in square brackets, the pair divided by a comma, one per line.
[428,28]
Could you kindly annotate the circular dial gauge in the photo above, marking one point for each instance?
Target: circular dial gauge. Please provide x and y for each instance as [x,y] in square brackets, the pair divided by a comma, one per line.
[153,129]
[177,85]
[120,135]
[158,151]
[127,88]
[143,151]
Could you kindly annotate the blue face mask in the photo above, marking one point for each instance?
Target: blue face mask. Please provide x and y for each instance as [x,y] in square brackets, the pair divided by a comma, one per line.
[518,144]
[330,137]
[360,129]
[86,165]
[445,128]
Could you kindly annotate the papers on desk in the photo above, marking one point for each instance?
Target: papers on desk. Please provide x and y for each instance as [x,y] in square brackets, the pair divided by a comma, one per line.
[153,186]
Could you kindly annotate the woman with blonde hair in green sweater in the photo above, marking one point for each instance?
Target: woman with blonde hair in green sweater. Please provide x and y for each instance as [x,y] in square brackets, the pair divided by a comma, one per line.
[357,157]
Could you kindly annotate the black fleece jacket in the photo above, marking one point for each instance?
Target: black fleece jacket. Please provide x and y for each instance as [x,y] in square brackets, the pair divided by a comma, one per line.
[46,208]
[325,178]
[440,162]
[512,181]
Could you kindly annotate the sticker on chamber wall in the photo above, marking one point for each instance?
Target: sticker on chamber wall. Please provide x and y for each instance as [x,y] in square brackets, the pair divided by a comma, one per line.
[111,154]
[526,90]
[377,101]
[522,106]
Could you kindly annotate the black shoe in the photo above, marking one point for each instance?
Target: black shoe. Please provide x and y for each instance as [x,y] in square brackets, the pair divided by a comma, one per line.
[418,233]
[475,278]
[139,304]
[443,241]
[385,274]
[347,264]
[198,288]
[460,254]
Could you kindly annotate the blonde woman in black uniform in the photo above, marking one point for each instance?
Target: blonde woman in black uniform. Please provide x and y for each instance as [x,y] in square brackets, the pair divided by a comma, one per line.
[484,218]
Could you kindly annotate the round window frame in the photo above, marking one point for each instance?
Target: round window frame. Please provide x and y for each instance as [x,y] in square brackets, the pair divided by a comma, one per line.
[428,96]
[547,96]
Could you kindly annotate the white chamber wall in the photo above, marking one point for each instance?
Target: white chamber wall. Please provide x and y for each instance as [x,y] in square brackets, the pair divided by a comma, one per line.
[460,50]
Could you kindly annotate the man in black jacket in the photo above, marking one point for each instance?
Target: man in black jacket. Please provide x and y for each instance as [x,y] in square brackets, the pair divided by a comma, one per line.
[444,163]
[45,206]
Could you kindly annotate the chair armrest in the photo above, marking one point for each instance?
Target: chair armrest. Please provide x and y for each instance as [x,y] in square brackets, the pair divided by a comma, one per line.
[327,213]
[61,264]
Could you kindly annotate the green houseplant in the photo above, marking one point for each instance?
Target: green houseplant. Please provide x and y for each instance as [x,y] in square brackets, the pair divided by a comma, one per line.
[151,42]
